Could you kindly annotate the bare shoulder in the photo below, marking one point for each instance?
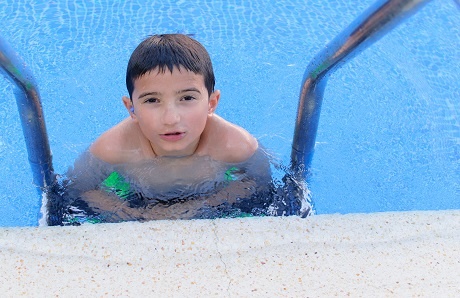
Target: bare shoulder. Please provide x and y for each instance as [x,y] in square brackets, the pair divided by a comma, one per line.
[119,144]
[229,142]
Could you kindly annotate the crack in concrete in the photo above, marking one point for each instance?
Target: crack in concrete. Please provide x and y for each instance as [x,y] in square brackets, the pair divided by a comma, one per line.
[221,258]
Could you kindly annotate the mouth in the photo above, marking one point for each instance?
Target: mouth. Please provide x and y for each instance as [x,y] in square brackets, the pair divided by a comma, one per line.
[172,136]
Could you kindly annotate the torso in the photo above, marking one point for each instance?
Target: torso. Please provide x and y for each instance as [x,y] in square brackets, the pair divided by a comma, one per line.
[224,148]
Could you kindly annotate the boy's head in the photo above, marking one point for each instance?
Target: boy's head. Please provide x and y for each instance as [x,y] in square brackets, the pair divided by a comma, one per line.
[167,51]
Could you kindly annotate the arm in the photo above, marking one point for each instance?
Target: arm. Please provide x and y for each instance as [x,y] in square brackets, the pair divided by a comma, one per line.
[258,168]
[86,175]
[248,188]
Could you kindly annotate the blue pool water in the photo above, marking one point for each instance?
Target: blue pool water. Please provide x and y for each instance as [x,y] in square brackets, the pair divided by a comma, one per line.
[389,134]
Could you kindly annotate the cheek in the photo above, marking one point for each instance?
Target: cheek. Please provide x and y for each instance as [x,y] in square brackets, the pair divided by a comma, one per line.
[199,118]
[147,120]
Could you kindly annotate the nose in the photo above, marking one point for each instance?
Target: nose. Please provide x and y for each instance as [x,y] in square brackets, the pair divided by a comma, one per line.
[171,115]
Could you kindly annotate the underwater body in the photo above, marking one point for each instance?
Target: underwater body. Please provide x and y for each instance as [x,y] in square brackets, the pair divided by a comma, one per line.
[172,188]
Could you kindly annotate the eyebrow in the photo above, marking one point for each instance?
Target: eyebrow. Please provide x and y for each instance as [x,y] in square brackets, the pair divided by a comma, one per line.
[149,94]
[192,89]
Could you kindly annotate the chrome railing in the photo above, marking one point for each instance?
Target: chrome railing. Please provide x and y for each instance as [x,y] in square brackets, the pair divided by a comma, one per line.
[31,114]
[374,23]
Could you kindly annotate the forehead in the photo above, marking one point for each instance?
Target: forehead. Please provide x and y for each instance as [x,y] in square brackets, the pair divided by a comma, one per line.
[179,76]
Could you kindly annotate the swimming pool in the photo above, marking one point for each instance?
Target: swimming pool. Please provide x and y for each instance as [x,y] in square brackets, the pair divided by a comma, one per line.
[389,135]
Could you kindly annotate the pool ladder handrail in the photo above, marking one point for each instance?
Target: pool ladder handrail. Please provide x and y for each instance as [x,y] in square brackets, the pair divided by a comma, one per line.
[369,27]
[31,114]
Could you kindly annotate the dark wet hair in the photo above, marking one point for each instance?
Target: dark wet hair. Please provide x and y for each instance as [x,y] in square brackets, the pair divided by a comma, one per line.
[168,51]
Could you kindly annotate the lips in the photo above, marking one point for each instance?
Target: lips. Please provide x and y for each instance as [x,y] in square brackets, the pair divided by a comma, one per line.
[172,136]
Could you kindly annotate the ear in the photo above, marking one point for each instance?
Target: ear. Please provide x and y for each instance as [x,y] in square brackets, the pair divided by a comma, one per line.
[129,106]
[213,102]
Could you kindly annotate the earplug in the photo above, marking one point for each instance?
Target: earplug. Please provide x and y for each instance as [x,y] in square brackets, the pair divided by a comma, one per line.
[132,110]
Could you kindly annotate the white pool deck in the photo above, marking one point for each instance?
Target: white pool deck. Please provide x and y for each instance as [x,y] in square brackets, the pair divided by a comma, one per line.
[400,254]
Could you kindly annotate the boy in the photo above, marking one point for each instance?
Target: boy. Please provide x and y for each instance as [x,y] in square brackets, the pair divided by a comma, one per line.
[171,104]
[173,157]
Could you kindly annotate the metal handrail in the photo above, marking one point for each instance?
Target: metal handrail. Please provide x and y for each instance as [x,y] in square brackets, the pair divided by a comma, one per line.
[31,114]
[370,26]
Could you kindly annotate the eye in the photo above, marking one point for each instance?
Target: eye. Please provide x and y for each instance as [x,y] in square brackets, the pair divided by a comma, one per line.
[151,100]
[188,98]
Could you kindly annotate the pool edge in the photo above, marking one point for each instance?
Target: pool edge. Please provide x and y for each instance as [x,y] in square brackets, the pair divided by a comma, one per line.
[389,253]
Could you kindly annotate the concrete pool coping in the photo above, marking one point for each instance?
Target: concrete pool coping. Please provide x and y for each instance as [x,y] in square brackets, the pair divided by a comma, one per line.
[384,254]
